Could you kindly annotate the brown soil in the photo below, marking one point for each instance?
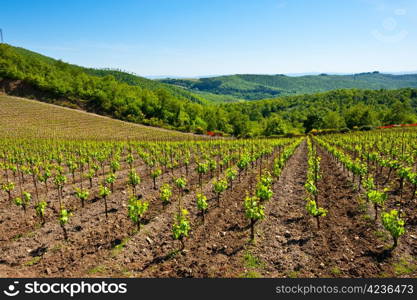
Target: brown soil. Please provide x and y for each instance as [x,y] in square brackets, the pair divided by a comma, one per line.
[212,249]
[89,232]
[401,262]
[287,243]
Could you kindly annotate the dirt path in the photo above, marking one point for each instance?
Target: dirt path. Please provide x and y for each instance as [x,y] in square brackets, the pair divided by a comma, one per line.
[285,234]
[218,247]
[357,246]
[215,247]
[348,243]
[210,248]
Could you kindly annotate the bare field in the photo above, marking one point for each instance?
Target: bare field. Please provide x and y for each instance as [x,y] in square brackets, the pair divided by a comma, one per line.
[23,118]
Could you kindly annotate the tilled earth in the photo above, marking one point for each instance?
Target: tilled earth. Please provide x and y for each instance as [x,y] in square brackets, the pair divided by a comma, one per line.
[287,244]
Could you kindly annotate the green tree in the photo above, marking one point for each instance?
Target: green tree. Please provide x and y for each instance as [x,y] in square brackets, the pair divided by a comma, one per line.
[360,115]
[313,121]
[333,120]
[275,126]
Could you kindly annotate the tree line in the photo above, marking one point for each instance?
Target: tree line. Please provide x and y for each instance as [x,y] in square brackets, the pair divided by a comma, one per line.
[159,105]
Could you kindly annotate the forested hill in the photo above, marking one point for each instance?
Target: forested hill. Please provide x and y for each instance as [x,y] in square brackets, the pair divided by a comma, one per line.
[128,97]
[108,92]
[119,75]
[255,87]
[143,82]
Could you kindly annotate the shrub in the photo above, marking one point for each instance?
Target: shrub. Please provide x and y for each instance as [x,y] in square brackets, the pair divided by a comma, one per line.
[366,128]
[394,224]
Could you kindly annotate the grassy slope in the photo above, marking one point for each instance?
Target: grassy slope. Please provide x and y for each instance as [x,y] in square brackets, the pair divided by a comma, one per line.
[24,118]
[254,87]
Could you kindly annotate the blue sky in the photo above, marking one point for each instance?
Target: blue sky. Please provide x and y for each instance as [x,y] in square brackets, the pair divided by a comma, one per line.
[194,37]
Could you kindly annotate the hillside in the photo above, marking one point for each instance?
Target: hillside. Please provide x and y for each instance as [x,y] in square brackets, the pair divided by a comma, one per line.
[24,118]
[116,94]
[137,100]
[255,87]
[143,82]
[119,75]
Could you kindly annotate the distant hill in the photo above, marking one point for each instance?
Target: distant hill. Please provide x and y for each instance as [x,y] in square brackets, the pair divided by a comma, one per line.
[135,80]
[122,76]
[255,87]
[112,93]
[127,97]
